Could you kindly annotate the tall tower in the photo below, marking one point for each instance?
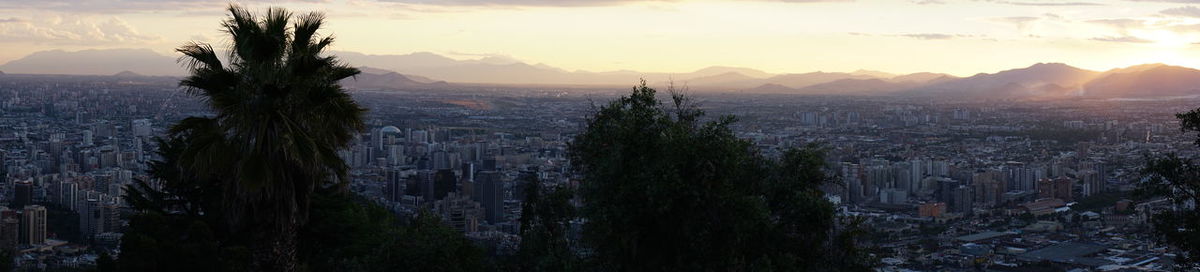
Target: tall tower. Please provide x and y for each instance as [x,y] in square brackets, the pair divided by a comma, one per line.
[489,191]
[33,225]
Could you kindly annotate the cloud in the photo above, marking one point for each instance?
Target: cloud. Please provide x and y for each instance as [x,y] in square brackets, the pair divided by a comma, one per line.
[921,36]
[1122,39]
[131,6]
[553,3]
[934,36]
[568,3]
[1188,11]
[1167,1]
[72,30]
[1021,22]
[1043,3]
[1121,25]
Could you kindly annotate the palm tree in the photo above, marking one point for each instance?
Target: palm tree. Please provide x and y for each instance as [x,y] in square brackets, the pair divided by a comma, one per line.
[280,117]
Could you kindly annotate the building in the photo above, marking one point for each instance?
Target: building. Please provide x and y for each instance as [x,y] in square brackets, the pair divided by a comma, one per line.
[964,199]
[394,188]
[22,194]
[489,192]
[10,225]
[1092,181]
[142,128]
[935,209]
[459,212]
[1059,188]
[33,225]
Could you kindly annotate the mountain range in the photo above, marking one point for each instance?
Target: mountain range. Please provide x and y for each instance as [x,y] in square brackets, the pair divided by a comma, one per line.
[432,71]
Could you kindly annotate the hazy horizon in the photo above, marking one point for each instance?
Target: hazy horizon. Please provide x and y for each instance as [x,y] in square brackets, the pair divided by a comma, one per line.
[668,36]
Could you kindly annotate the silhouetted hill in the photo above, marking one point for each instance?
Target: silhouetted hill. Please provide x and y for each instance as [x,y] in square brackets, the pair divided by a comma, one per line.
[857,87]
[809,79]
[923,77]
[872,73]
[383,79]
[1037,80]
[771,88]
[1153,80]
[728,80]
[127,74]
[429,70]
[95,62]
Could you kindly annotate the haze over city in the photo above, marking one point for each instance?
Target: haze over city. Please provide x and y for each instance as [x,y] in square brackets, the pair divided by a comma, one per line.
[600,135]
[895,36]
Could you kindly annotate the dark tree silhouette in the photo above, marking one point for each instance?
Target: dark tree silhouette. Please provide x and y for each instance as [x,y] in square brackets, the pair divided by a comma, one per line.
[280,118]
[663,191]
[1177,179]
[545,222]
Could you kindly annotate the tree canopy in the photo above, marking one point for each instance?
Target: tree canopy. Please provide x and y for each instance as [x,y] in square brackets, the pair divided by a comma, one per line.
[663,190]
[1177,179]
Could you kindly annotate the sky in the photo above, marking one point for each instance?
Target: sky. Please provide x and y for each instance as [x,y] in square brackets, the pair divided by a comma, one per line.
[960,37]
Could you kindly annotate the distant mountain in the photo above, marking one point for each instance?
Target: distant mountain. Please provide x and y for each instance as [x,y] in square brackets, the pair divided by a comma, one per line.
[922,77]
[872,73]
[127,74]
[1038,80]
[771,88]
[716,70]
[726,80]
[857,87]
[95,62]
[429,70]
[809,79]
[1153,80]
[373,78]
[416,78]
[503,70]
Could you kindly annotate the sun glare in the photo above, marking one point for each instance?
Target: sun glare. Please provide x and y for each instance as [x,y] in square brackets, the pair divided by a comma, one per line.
[1168,39]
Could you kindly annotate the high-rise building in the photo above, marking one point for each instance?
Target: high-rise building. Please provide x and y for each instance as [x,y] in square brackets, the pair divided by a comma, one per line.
[417,184]
[1059,188]
[489,192]
[946,188]
[141,128]
[459,212]
[88,138]
[22,194]
[394,189]
[33,225]
[1093,183]
[444,181]
[934,209]
[90,217]
[964,199]
[10,228]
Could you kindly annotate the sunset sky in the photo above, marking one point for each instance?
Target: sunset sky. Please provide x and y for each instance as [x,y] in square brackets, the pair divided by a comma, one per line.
[961,37]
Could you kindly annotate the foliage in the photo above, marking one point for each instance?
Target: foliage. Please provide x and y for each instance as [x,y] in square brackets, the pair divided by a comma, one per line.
[1099,201]
[664,191]
[280,119]
[545,222]
[63,223]
[6,260]
[173,231]
[354,235]
[1177,179]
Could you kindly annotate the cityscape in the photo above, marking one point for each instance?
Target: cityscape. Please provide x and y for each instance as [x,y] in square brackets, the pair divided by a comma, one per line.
[265,150]
[944,184]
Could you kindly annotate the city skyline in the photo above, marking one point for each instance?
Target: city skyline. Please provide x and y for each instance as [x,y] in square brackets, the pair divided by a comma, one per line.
[668,36]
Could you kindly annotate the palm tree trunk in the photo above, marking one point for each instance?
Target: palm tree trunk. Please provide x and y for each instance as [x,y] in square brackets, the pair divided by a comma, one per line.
[275,250]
